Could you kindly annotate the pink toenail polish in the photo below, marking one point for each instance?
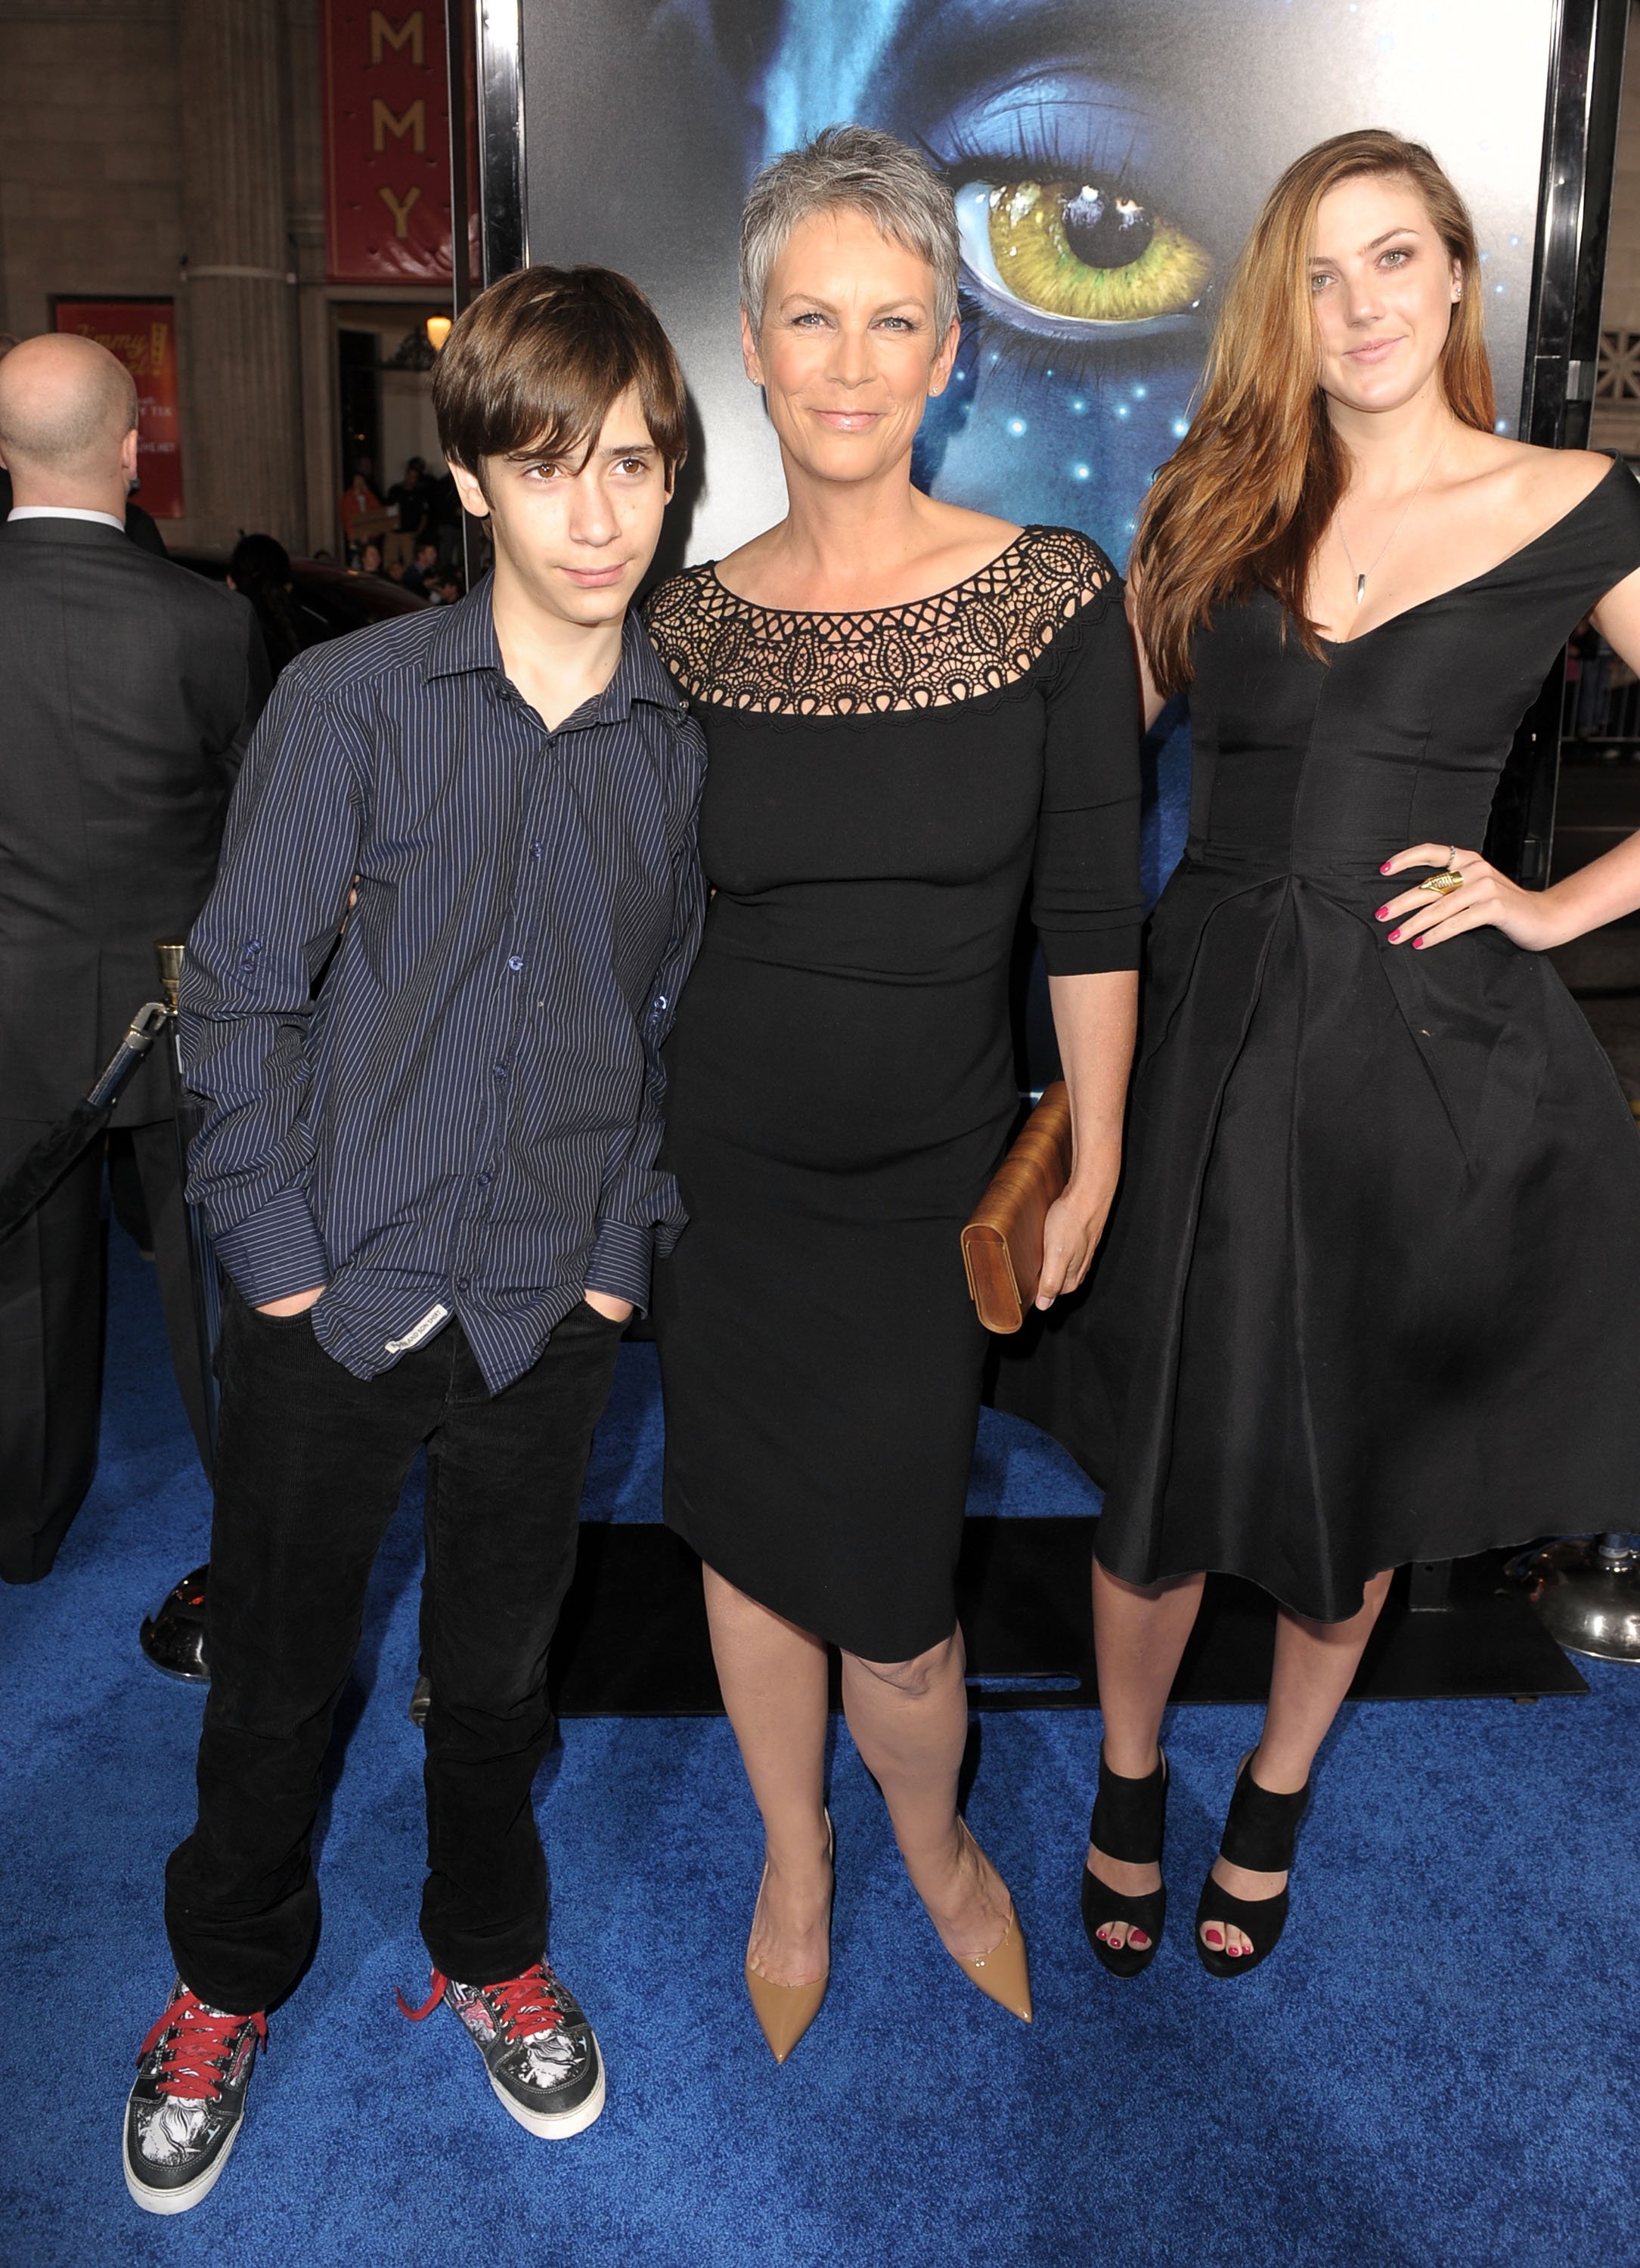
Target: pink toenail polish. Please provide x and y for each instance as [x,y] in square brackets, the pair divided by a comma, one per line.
[1213,1936]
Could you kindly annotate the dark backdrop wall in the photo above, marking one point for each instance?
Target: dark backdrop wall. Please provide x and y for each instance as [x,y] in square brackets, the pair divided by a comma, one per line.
[1168,119]
[644,123]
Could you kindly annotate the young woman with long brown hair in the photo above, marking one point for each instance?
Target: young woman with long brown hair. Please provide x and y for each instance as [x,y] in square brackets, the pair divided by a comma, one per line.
[1368,1293]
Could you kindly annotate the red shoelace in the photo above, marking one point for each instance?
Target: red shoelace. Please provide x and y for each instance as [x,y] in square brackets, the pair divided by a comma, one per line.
[191,2069]
[515,2002]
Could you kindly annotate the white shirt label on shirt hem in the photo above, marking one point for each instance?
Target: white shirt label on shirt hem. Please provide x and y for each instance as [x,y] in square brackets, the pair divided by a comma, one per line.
[424,1329]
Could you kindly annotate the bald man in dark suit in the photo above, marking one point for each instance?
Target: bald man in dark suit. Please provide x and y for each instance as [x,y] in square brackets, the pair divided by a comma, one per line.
[127,691]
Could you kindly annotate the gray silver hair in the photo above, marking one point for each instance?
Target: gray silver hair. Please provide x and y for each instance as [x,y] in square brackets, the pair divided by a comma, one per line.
[850,167]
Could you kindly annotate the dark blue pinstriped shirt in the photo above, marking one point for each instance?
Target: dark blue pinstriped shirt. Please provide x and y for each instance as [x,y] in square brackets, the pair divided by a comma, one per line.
[464,1119]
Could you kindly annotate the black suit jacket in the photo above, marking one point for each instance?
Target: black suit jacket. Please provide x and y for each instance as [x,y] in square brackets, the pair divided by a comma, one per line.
[128,690]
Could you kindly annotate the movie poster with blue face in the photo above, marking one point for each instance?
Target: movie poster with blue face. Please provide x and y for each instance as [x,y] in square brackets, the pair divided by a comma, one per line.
[1107,159]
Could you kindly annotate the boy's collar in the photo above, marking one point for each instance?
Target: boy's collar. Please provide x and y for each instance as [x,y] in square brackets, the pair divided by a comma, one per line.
[463,638]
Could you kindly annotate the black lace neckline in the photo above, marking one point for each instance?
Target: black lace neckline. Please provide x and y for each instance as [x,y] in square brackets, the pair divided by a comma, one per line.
[986,637]
[864,614]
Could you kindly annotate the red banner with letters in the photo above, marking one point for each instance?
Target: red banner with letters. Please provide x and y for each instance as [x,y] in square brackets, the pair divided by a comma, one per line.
[143,334]
[386,143]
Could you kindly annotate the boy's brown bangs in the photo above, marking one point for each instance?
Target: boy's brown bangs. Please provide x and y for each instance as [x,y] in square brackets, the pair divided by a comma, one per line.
[534,366]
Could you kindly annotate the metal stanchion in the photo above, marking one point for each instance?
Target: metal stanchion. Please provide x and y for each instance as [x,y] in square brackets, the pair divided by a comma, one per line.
[207,1284]
[28,1177]
[1586,1589]
[173,1636]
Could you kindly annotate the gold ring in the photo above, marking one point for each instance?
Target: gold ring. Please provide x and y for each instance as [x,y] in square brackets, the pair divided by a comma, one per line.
[1440,884]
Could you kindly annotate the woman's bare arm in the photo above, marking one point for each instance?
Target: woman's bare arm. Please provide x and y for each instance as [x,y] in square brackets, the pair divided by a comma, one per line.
[1154,701]
[1094,1019]
[1604,891]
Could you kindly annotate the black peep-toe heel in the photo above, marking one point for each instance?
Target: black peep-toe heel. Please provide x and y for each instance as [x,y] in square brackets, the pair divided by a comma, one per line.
[1128,1818]
[1259,1831]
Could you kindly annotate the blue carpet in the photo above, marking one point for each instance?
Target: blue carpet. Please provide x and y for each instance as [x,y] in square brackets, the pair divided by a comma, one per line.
[1438,2070]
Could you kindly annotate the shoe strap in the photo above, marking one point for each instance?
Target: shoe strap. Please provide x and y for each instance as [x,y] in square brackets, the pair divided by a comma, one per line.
[1129,1814]
[1259,1920]
[1248,1915]
[1261,1828]
[1146,1908]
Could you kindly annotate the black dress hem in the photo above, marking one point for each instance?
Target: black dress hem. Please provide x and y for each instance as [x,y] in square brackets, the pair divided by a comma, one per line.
[831,1635]
[1464,1548]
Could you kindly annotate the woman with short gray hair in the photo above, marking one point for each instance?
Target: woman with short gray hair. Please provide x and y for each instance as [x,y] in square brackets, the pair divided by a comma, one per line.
[918,718]
[866,171]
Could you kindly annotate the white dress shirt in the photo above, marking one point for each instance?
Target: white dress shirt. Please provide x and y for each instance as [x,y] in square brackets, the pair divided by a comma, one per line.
[63,512]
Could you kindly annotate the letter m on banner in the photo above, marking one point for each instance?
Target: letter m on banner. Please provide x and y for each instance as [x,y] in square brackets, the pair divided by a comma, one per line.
[387,143]
[411,34]
[382,122]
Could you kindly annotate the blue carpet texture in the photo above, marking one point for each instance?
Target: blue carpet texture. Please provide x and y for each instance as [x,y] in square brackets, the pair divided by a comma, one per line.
[1436,2071]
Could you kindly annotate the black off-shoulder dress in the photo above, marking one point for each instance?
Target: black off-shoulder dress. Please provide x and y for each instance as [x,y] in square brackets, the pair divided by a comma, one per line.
[883,790]
[1372,1289]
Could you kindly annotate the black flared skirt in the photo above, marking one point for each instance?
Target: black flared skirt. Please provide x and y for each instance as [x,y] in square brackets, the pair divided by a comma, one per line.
[1372,1289]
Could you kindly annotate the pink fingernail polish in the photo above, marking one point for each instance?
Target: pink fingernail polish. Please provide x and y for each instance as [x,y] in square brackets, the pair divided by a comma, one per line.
[1418,943]
[1383,914]
[1385,868]
[1394,937]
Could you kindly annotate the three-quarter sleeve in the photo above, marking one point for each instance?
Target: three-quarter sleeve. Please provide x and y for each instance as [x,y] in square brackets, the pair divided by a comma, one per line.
[1086,900]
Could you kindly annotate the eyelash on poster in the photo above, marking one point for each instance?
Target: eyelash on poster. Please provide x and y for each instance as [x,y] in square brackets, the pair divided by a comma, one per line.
[1035,153]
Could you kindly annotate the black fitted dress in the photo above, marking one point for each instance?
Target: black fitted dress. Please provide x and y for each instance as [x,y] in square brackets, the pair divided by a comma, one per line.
[884,791]
[1371,1288]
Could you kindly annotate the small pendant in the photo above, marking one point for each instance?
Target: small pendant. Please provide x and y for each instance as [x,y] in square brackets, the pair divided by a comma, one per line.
[1360,588]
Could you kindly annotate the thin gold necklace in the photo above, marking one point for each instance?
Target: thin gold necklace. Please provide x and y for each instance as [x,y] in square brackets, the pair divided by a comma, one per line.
[1361,573]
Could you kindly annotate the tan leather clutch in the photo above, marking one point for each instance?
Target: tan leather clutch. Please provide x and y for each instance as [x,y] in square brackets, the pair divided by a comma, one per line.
[1003,1242]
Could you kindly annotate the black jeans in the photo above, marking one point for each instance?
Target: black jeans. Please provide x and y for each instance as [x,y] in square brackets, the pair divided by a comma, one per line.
[310,1461]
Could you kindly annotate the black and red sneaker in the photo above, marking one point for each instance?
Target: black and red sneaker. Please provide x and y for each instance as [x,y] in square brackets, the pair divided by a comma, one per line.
[182,2116]
[537,2046]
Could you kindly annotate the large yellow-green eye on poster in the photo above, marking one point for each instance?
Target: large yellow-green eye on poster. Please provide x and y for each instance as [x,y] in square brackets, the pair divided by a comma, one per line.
[1086,251]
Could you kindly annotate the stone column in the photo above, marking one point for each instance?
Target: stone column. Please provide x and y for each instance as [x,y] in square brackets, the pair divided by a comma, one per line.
[322,469]
[243,431]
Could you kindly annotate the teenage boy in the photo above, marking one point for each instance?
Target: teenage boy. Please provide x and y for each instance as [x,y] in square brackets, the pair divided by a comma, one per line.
[429,1165]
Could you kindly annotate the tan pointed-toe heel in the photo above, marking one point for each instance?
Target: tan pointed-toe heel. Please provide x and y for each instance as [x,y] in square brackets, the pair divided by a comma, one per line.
[784,2012]
[1003,1975]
